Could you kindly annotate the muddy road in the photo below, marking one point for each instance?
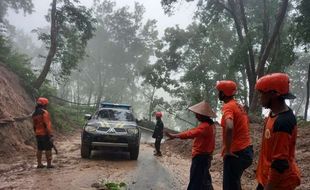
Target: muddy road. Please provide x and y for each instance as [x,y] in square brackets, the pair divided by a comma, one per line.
[73,172]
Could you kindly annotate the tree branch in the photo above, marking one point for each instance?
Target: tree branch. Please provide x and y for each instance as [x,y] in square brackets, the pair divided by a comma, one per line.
[275,33]
[51,53]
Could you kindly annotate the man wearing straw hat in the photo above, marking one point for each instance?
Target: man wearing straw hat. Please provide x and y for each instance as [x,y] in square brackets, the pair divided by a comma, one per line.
[203,146]
[237,149]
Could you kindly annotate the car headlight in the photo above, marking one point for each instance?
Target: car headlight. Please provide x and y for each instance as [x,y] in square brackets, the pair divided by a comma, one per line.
[90,128]
[133,131]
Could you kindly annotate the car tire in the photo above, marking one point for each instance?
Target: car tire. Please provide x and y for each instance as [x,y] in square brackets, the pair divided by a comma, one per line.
[85,151]
[134,153]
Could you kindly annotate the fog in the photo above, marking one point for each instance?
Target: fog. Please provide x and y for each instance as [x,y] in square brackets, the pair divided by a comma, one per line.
[128,51]
[153,10]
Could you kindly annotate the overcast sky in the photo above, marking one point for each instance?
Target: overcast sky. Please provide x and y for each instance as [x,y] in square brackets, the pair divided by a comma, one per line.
[183,14]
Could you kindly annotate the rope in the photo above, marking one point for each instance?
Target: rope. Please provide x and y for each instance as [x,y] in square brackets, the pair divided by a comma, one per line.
[171,113]
[93,104]
[76,103]
[23,118]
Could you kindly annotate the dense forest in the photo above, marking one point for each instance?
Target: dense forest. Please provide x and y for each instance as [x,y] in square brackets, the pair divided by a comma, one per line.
[113,53]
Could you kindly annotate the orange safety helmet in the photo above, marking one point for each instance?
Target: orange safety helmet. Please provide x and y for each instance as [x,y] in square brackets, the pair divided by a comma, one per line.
[158,114]
[228,87]
[42,101]
[278,82]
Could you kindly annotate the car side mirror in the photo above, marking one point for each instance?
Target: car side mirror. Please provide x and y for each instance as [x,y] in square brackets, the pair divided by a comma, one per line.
[87,116]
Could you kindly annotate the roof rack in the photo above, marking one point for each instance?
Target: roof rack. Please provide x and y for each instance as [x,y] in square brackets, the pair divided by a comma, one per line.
[113,105]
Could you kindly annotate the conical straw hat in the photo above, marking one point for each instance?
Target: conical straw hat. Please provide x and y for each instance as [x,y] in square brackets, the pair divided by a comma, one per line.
[203,108]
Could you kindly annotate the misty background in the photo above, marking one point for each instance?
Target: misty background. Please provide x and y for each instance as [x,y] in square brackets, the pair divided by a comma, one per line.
[161,55]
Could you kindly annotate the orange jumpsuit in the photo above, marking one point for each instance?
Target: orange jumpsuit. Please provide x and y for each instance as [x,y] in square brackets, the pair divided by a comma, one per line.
[42,123]
[204,138]
[276,164]
[202,149]
[241,136]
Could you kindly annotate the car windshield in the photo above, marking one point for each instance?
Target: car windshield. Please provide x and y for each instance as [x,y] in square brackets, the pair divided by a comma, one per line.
[116,115]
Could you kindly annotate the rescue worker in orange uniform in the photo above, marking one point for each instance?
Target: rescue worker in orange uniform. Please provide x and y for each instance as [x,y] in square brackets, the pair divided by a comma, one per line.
[43,131]
[203,146]
[237,150]
[277,168]
[158,133]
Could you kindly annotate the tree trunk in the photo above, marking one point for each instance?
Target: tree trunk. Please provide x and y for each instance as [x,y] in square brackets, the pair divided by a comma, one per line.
[275,33]
[151,107]
[265,29]
[307,98]
[100,90]
[51,53]
[236,14]
[244,81]
[251,60]
[90,95]
[262,62]
[78,91]
[248,40]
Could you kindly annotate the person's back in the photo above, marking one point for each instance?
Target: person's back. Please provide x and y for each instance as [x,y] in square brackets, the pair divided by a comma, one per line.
[159,128]
[43,131]
[241,133]
[41,122]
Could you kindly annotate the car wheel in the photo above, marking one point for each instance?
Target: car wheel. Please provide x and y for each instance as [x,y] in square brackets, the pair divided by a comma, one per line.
[85,151]
[134,153]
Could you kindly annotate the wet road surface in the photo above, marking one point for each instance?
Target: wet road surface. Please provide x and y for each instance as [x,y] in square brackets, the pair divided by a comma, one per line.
[73,172]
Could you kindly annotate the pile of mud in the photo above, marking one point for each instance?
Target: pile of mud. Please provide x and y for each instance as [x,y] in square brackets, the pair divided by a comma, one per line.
[16,132]
[183,148]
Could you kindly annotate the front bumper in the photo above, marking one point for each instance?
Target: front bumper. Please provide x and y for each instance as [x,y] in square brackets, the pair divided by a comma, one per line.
[96,140]
[108,144]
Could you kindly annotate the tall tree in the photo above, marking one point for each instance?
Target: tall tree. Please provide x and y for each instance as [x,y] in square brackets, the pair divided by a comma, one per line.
[246,18]
[303,38]
[191,60]
[25,5]
[121,47]
[71,27]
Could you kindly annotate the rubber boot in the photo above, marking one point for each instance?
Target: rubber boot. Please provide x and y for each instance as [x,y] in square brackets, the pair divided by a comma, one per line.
[49,159]
[39,159]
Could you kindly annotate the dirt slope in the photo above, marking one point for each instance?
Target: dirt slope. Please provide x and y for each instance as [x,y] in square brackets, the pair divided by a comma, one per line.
[15,134]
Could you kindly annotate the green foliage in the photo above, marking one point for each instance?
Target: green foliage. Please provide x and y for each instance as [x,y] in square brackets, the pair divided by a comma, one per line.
[299,74]
[16,62]
[303,23]
[75,26]
[25,5]
[168,5]
[121,47]
[106,185]
[228,43]
[64,117]
[189,62]
[68,117]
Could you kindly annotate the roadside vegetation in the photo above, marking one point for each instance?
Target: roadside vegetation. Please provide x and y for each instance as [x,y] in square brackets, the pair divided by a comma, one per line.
[112,53]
